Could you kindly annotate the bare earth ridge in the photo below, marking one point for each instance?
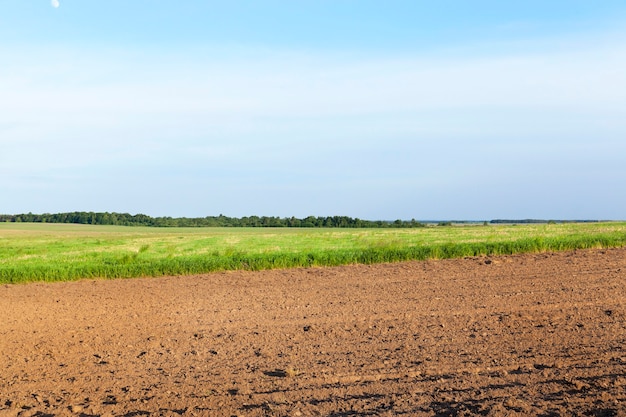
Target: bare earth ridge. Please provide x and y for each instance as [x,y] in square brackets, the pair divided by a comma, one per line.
[541,334]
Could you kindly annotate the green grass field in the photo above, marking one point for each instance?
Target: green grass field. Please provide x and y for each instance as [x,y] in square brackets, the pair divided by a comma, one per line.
[57,252]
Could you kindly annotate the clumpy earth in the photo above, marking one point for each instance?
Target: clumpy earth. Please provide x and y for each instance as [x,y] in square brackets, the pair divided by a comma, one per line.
[541,334]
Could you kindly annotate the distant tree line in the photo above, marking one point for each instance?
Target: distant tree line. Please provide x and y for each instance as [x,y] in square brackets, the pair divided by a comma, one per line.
[539,221]
[125,219]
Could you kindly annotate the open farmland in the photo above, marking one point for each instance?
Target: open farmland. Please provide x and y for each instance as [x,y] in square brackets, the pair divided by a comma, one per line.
[534,334]
[55,252]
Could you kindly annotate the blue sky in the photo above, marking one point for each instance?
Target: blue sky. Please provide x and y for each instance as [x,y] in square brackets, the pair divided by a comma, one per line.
[370,109]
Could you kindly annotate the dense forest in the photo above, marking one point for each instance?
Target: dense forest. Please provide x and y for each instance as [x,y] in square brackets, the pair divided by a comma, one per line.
[125,219]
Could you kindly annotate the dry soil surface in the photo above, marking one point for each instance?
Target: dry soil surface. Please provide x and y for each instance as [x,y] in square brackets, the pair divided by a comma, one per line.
[541,334]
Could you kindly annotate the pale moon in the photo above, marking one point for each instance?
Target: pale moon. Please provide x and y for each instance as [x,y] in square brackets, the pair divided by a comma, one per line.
[55,3]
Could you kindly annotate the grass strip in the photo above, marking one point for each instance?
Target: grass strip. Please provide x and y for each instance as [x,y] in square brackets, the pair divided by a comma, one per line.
[130,265]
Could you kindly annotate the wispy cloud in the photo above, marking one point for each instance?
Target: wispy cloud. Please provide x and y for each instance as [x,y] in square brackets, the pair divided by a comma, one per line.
[288,86]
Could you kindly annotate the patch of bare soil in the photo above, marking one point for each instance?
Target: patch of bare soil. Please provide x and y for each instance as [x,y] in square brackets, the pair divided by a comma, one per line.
[540,334]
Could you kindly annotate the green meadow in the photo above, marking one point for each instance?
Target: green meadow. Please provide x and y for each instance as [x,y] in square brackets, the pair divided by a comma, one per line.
[59,252]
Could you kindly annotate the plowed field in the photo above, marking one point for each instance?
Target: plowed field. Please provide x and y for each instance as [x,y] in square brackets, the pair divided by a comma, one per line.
[541,334]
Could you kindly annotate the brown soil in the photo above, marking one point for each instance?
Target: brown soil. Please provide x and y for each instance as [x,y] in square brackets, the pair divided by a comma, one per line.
[541,334]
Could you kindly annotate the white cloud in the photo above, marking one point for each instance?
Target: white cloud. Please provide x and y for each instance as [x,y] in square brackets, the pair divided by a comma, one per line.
[224,91]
